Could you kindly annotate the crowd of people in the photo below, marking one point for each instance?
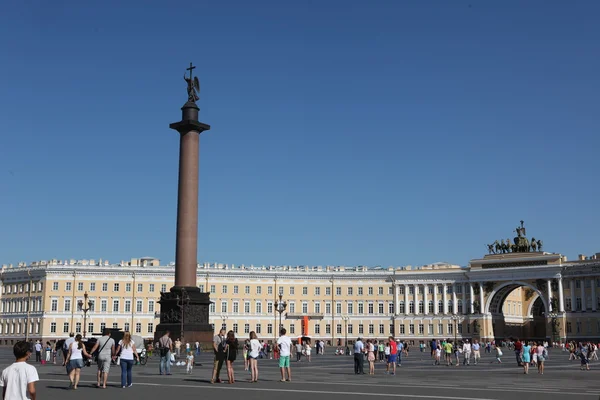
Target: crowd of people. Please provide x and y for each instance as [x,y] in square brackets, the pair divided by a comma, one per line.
[226,348]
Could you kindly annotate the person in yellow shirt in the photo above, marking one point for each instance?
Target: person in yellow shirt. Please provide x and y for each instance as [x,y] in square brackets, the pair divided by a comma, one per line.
[448,352]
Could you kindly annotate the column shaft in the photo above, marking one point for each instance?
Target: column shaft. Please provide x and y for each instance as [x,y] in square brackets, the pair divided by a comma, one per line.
[549,294]
[445,298]
[186,247]
[561,297]
[425,300]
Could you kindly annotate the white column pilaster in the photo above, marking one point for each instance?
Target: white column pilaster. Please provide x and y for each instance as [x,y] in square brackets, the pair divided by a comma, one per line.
[406,310]
[561,297]
[549,294]
[445,298]
[471,297]
[435,300]
[416,298]
[454,303]
[396,299]
[425,299]
[481,299]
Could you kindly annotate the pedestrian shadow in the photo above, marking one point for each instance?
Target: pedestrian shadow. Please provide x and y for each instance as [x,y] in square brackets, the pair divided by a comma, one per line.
[58,387]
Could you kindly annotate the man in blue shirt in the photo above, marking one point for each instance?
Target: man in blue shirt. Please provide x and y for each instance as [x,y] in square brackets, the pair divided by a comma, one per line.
[359,349]
[399,348]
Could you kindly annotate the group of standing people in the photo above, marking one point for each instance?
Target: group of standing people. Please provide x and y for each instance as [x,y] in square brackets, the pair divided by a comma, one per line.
[106,352]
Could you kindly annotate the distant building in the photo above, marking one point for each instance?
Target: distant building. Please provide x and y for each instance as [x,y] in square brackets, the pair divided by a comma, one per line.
[534,295]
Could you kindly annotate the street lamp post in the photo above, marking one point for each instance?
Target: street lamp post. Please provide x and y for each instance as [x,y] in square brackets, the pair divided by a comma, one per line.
[455,318]
[346,318]
[280,307]
[554,323]
[224,324]
[85,305]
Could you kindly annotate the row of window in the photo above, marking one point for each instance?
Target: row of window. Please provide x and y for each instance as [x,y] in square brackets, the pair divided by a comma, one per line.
[579,306]
[370,329]
[22,288]
[116,306]
[579,327]
[16,328]
[115,287]
[292,290]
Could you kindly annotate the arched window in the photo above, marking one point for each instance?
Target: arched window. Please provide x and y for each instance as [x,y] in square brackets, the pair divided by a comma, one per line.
[441,306]
[460,306]
[450,309]
[402,307]
[421,307]
[430,307]
[411,307]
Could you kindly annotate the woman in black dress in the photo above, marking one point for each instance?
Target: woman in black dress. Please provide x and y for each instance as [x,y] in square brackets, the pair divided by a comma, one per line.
[231,348]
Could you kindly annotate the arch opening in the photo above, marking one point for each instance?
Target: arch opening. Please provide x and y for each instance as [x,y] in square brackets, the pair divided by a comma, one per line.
[517,310]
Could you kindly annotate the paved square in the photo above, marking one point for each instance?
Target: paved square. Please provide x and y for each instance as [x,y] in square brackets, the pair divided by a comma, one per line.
[330,376]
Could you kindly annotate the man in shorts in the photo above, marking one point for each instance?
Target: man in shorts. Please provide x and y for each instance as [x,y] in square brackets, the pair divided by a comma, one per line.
[284,343]
[106,352]
[391,363]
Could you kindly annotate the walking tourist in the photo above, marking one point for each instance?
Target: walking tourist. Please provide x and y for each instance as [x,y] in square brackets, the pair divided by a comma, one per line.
[253,352]
[498,354]
[127,351]
[476,351]
[541,357]
[75,360]
[48,352]
[284,344]
[359,348]
[67,346]
[371,356]
[189,363]
[307,350]
[18,379]
[466,353]
[231,349]
[165,346]
[298,351]
[399,349]
[106,352]
[525,357]
[518,348]
[178,347]
[219,350]
[448,352]
[391,365]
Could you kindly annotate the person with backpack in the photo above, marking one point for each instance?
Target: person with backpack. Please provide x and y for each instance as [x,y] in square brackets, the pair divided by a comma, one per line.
[165,346]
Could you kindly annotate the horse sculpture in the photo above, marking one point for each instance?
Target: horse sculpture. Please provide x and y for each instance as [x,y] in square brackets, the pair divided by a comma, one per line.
[533,244]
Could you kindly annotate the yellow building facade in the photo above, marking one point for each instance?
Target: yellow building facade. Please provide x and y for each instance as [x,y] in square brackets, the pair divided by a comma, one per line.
[534,295]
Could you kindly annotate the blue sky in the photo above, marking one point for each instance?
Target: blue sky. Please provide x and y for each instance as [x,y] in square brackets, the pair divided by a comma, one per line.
[343,132]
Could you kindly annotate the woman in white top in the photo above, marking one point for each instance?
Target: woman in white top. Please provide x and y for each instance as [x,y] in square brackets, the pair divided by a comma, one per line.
[128,352]
[75,360]
[307,350]
[253,356]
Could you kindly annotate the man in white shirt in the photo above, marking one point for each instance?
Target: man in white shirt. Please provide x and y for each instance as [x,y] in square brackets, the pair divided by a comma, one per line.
[67,345]
[467,353]
[476,351]
[285,345]
[18,379]
[359,349]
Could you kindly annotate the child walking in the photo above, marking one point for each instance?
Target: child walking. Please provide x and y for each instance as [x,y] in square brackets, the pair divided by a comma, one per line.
[498,355]
[189,362]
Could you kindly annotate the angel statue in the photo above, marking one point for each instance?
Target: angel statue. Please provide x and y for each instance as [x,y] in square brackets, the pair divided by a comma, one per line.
[193,88]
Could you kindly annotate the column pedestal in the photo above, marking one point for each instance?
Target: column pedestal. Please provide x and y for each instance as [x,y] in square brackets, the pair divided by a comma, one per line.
[194,312]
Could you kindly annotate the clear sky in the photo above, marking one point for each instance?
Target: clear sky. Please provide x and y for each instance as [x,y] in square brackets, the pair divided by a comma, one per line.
[343,132]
